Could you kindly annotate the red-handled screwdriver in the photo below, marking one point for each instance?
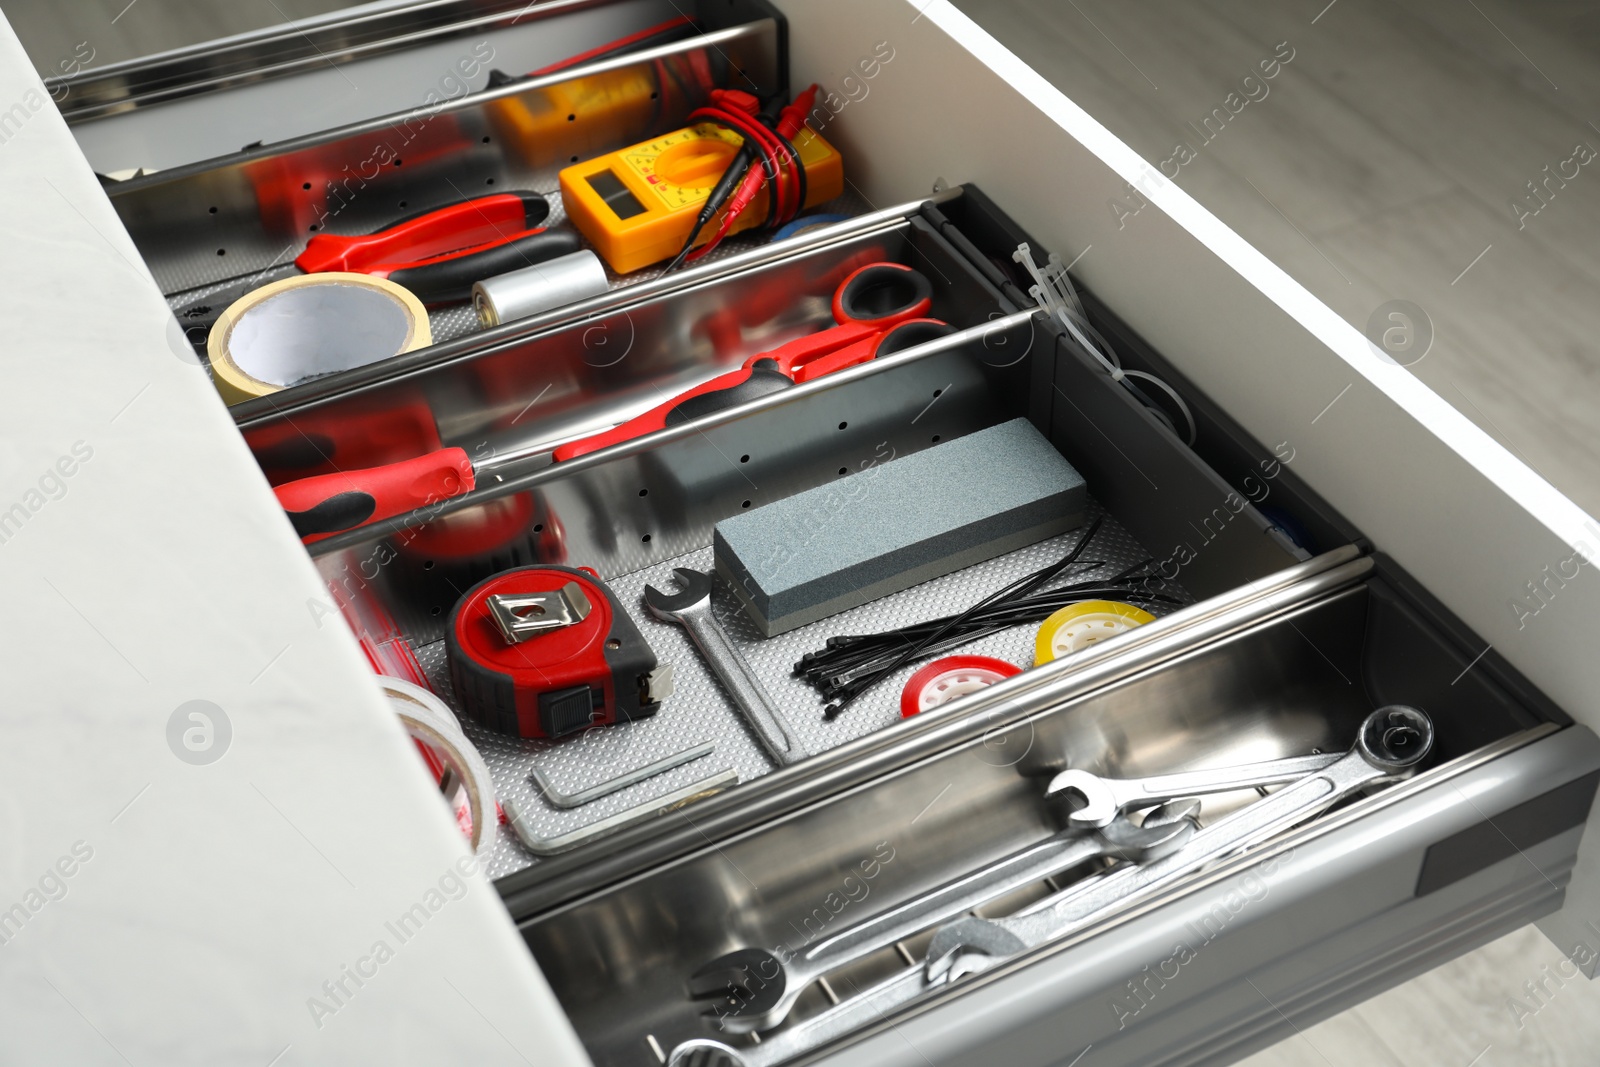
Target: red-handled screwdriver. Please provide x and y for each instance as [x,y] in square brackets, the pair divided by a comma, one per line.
[327,504]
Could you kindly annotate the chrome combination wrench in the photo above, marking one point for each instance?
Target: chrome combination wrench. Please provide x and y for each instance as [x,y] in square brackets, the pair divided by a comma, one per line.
[1392,742]
[690,608]
[752,989]
[1103,798]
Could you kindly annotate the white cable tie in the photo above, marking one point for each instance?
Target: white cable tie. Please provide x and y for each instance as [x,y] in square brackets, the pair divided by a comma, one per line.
[1052,291]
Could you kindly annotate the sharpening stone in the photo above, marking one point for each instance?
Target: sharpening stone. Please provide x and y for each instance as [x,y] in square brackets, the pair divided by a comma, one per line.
[889,527]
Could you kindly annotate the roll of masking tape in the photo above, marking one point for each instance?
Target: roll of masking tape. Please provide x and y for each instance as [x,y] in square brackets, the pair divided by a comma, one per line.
[300,328]
[1078,626]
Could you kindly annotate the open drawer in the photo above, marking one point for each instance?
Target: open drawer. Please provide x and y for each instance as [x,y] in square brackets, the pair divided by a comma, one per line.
[1371,894]
[1288,622]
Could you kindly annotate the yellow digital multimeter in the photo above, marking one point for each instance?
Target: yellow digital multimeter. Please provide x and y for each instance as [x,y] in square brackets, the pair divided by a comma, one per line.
[637,205]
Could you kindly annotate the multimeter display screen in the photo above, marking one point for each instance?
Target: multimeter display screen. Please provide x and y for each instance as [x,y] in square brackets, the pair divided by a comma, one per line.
[616,195]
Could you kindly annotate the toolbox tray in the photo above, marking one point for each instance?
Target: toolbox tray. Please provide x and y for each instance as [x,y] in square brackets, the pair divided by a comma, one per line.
[204,224]
[1284,678]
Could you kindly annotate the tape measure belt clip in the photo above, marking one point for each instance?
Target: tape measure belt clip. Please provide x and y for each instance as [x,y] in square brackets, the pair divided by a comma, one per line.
[524,615]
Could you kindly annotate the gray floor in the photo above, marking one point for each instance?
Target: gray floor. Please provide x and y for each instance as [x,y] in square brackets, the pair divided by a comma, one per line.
[1381,164]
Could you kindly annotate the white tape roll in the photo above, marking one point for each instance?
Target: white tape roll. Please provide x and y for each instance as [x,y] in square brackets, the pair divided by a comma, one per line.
[429,719]
[307,326]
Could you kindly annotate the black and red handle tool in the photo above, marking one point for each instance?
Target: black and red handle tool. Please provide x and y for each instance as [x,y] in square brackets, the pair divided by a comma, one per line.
[436,254]
[761,376]
[326,504]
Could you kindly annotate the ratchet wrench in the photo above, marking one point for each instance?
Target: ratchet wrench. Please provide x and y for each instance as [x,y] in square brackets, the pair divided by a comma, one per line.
[754,989]
[1391,743]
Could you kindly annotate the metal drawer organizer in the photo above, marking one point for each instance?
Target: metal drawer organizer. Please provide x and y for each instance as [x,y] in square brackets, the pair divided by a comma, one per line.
[1282,643]
[1285,674]
[637,515]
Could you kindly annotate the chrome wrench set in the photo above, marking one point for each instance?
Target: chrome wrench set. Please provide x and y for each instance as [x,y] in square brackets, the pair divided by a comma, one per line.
[754,990]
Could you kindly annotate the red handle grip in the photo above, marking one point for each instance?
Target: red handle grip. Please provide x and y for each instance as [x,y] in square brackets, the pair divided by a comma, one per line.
[486,220]
[327,504]
[870,301]
[793,356]
[723,391]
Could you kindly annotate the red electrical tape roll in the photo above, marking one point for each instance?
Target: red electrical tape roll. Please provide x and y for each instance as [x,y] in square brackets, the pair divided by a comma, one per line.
[944,680]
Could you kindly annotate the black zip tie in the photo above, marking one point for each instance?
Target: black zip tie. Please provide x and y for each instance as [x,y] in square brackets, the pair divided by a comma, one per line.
[1021,587]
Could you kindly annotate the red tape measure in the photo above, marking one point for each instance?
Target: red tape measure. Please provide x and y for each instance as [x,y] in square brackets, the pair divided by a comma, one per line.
[547,651]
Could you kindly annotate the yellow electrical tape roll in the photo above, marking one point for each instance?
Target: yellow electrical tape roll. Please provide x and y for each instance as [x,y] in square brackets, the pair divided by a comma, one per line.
[1078,626]
[303,327]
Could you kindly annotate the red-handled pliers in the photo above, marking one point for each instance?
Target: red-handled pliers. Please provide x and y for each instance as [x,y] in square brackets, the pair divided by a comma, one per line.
[436,254]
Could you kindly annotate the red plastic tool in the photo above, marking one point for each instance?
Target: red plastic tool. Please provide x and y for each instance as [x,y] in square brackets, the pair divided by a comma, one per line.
[327,504]
[878,309]
[437,254]
[590,667]
[354,435]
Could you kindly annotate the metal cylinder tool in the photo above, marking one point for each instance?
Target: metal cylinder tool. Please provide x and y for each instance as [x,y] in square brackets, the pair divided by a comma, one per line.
[541,287]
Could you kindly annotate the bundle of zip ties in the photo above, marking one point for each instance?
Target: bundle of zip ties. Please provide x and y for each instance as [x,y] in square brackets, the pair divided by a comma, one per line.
[852,664]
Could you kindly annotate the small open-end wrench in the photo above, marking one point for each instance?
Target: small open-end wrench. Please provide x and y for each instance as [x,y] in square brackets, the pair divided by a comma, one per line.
[1104,798]
[754,989]
[690,608]
[1391,743]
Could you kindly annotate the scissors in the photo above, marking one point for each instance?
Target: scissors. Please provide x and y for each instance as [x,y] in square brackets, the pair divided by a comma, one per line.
[879,309]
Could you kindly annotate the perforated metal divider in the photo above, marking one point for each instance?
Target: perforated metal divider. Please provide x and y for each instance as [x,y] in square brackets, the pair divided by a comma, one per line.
[700,711]
[451,321]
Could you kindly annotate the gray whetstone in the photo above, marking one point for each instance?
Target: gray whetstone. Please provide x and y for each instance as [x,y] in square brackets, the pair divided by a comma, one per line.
[887,528]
